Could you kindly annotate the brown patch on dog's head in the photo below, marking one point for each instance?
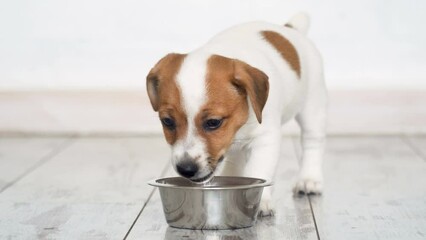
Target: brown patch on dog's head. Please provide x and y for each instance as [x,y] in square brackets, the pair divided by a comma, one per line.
[165,96]
[285,48]
[230,84]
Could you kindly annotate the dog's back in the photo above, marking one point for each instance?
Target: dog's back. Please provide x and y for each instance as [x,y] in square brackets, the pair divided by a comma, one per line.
[283,52]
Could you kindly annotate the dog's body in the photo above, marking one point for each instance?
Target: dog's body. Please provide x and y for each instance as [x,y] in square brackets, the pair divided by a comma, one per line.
[228,99]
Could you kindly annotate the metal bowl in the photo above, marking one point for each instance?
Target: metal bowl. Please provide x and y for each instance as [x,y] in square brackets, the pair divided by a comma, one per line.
[223,203]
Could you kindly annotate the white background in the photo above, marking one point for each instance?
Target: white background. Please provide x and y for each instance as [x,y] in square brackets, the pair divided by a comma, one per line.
[106,44]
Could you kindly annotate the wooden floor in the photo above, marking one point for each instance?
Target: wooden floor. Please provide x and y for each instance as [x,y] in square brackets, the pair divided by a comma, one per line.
[95,188]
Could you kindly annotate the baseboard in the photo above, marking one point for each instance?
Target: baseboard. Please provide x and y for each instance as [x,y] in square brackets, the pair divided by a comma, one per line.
[128,113]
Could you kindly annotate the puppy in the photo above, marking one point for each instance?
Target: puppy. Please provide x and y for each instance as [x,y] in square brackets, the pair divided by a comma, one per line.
[222,105]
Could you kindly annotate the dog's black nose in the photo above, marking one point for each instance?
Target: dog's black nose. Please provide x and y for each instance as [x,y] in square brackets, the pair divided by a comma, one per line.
[187,169]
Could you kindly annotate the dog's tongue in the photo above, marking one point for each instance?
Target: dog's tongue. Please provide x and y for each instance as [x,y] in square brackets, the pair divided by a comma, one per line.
[208,183]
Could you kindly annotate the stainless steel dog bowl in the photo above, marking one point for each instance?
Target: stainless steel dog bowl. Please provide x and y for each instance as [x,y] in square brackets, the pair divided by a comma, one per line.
[223,203]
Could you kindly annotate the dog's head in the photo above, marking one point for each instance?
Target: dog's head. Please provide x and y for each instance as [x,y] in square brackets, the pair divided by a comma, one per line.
[202,101]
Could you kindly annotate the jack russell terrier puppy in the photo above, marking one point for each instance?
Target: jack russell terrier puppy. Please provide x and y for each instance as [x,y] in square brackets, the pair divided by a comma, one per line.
[222,105]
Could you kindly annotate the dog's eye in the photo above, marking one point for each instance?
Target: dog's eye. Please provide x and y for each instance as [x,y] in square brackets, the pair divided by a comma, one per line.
[169,123]
[212,124]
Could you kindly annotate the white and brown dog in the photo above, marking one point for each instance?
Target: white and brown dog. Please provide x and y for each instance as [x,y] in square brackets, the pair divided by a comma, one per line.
[222,105]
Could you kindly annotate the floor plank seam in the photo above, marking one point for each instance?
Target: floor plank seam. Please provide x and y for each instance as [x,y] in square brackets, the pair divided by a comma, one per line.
[296,149]
[313,217]
[140,213]
[65,144]
[413,147]
[146,203]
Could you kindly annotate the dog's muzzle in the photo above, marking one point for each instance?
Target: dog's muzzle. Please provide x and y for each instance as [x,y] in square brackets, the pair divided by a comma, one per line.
[190,169]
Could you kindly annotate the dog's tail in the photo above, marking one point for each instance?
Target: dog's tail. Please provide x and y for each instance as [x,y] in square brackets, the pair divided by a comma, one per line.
[300,22]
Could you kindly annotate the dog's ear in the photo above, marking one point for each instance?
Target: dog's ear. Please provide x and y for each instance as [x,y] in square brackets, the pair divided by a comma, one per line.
[152,84]
[165,70]
[254,83]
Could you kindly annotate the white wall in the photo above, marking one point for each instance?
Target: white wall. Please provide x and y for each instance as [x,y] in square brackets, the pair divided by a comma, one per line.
[105,44]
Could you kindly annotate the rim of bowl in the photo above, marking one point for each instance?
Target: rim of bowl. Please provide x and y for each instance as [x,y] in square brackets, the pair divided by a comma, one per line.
[264,183]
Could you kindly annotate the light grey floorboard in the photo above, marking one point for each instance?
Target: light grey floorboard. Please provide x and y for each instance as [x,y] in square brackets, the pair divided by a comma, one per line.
[293,219]
[92,190]
[19,156]
[375,188]
[418,144]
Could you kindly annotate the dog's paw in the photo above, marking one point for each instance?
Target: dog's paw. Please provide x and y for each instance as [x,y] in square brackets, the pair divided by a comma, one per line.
[266,208]
[308,185]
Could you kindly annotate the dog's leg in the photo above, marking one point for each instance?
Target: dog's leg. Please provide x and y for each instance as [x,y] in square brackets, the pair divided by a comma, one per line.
[231,165]
[312,121]
[262,162]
